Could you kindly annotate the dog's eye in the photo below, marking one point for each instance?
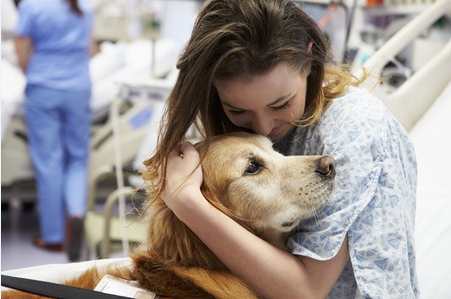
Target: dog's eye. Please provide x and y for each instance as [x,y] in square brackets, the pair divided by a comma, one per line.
[252,168]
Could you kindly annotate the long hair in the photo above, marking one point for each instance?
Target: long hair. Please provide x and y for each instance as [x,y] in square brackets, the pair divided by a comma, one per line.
[75,7]
[239,39]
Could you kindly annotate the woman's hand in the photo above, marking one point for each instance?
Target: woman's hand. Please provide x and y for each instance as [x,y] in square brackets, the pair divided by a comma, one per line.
[183,179]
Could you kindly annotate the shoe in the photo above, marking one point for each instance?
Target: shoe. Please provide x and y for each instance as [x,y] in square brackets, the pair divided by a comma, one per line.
[74,238]
[40,243]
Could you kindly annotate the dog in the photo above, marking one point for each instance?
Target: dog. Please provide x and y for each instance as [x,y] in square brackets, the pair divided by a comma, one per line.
[244,177]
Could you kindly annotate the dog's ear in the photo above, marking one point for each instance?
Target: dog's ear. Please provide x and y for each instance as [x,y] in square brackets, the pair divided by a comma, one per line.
[202,147]
[212,197]
[209,193]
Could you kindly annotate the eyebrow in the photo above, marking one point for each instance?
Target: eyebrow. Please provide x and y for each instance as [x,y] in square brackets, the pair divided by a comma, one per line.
[282,98]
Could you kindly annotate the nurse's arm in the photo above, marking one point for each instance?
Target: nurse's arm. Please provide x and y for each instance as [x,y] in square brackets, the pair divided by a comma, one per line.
[93,48]
[23,46]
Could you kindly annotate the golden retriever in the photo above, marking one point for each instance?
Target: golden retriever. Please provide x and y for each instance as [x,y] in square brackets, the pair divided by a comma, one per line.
[264,191]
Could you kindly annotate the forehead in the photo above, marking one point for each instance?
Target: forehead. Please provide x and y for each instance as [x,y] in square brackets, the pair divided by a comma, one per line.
[261,89]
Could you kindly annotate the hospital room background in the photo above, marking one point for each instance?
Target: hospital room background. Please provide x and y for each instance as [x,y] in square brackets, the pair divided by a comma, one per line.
[404,42]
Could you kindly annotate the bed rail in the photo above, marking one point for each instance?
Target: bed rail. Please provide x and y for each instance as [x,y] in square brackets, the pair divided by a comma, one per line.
[411,100]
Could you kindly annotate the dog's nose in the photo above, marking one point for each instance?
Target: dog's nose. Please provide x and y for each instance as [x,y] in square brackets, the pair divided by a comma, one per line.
[326,167]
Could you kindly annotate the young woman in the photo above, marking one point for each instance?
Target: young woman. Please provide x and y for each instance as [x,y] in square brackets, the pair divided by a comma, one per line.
[53,45]
[263,66]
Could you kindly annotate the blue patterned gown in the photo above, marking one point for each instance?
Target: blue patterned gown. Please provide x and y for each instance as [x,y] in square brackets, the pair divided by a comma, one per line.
[374,200]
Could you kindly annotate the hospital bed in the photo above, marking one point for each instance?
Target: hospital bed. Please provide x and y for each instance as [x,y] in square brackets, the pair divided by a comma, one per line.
[426,116]
[408,102]
[115,64]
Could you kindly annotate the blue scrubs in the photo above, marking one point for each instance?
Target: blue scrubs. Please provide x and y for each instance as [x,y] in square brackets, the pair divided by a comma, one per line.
[58,133]
[57,108]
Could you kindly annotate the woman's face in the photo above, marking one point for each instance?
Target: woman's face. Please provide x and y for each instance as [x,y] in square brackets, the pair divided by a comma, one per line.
[267,104]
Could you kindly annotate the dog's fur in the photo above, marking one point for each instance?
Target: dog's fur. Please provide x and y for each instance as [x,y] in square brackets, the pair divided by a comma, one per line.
[264,191]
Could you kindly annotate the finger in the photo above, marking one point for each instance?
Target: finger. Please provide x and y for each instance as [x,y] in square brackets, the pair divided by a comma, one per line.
[187,148]
[175,152]
[184,148]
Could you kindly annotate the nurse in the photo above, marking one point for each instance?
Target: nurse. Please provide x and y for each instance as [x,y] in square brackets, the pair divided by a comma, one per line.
[264,66]
[53,44]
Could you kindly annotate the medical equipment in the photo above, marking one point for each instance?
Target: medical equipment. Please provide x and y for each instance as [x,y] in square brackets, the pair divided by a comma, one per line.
[433,77]
[113,228]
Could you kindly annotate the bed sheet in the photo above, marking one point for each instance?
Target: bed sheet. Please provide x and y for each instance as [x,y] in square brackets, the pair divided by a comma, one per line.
[432,138]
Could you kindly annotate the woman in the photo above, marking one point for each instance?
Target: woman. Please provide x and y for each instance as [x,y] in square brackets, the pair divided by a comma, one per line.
[263,66]
[53,43]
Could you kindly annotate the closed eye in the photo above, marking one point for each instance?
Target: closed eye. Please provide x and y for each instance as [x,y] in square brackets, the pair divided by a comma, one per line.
[277,108]
[236,112]
[282,107]
[252,168]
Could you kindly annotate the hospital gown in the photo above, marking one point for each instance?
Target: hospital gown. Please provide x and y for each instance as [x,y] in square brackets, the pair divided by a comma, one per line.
[374,198]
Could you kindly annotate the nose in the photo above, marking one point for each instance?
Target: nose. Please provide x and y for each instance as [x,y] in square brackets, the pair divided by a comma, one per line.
[262,125]
[326,167]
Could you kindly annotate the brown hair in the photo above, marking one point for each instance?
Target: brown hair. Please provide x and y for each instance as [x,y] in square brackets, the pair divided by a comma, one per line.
[74,7]
[238,39]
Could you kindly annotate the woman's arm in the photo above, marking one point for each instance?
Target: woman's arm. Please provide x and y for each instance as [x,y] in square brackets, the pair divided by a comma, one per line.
[23,46]
[269,270]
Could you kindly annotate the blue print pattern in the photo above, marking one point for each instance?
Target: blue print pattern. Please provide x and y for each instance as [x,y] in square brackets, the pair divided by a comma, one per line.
[374,200]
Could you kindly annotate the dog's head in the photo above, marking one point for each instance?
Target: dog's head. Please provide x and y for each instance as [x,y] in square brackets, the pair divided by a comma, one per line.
[247,179]
[259,187]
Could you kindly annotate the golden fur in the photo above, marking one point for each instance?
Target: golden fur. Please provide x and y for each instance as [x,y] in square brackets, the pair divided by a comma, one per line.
[244,177]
